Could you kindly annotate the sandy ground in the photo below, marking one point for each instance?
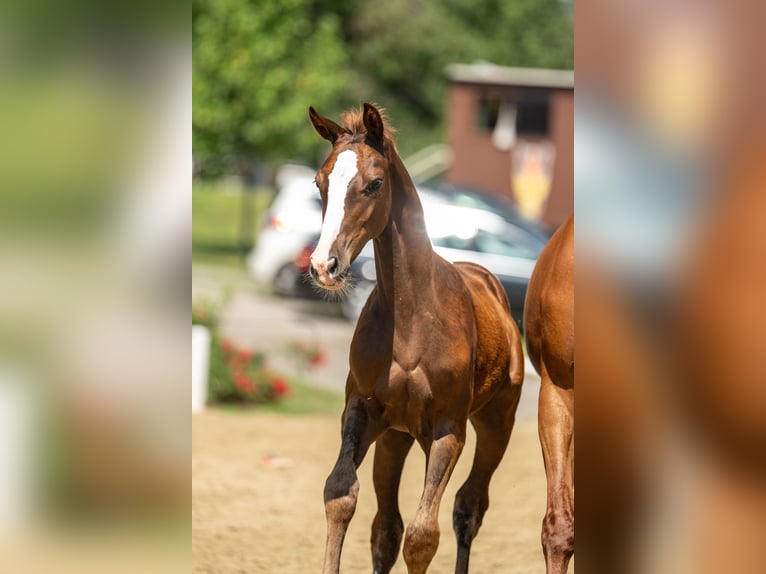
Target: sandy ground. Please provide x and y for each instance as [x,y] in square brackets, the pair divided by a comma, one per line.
[250,517]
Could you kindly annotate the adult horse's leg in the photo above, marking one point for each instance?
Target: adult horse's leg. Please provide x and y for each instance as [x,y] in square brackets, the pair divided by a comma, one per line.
[342,486]
[422,537]
[493,424]
[391,450]
[555,426]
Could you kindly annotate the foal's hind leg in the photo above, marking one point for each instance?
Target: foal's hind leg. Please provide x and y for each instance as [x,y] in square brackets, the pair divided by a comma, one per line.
[493,425]
[391,450]
[556,428]
[342,486]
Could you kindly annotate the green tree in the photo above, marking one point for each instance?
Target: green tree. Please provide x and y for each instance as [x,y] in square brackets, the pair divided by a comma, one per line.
[400,49]
[257,67]
[259,64]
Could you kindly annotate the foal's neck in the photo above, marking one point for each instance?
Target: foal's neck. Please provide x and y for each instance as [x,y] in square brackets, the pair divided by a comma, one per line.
[403,253]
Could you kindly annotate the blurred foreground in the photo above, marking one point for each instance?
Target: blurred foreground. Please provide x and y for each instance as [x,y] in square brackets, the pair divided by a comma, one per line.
[94,300]
[670,202]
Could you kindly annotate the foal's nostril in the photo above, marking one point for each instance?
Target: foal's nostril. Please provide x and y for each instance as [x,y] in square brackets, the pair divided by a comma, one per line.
[332,266]
[312,271]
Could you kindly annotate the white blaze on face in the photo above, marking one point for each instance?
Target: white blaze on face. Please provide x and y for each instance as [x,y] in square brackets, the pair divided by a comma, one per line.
[343,172]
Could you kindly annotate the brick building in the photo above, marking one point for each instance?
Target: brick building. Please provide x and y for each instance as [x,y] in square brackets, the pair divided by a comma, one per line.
[511,131]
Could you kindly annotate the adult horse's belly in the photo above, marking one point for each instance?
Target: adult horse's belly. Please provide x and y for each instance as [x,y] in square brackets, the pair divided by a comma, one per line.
[549,308]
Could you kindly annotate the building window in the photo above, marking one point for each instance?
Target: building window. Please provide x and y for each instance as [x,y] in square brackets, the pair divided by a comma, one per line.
[532,112]
[530,109]
[489,109]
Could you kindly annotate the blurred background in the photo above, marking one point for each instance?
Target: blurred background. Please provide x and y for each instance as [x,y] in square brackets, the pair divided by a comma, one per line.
[482,93]
[95,222]
[482,97]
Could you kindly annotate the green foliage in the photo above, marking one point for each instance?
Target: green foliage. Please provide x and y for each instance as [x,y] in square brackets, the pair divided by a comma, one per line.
[259,65]
[239,375]
[307,399]
[304,399]
[236,374]
[257,68]
[401,49]
[205,313]
[218,234]
[220,383]
[523,33]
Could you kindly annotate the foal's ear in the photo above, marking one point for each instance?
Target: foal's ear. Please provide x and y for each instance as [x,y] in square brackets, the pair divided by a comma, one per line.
[373,122]
[325,127]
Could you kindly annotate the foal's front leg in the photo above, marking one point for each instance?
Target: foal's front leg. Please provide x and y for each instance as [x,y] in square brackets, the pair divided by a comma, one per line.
[422,537]
[391,450]
[342,486]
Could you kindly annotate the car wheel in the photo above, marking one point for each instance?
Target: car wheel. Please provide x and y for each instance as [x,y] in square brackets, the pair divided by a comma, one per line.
[285,281]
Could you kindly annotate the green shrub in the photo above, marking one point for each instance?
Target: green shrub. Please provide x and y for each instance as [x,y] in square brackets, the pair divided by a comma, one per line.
[236,374]
[205,313]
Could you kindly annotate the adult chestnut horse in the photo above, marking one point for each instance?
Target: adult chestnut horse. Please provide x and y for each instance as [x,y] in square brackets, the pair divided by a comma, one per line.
[549,328]
[434,347]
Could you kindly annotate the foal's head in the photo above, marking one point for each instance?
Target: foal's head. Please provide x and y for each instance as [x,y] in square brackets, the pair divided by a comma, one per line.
[356,196]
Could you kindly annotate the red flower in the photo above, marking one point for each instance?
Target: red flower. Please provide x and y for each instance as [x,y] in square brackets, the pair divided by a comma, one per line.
[317,359]
[245,355]
[227,346]
[280,387]
[243,382]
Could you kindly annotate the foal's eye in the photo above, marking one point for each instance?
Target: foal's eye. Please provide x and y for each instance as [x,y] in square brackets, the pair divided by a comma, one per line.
[373,186]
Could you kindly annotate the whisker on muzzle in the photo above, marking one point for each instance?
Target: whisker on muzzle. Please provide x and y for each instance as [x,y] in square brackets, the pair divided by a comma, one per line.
[350,281]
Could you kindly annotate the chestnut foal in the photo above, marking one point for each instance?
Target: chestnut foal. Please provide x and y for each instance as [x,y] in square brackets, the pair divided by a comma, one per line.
[434,347]
[549,328]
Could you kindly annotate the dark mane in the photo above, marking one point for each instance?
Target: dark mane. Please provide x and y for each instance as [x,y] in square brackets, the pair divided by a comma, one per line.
[353,121]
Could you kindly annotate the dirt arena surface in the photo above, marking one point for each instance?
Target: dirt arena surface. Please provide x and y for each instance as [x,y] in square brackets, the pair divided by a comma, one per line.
[249,516]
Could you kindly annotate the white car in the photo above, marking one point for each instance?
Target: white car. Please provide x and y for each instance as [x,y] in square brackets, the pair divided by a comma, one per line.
[462,225]
[293,222]
[293,219]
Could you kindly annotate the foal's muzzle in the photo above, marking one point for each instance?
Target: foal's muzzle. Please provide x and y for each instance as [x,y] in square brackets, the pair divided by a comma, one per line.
[327,274]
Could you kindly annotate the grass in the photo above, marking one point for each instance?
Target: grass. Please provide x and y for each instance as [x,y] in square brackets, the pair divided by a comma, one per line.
[304,399]
[307,399]
[221,234]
